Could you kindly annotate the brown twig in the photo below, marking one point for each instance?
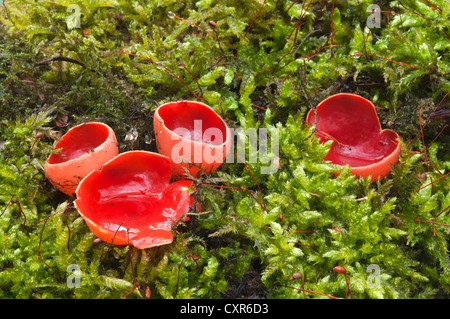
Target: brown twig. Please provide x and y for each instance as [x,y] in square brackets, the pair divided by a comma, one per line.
[61,58]
[257,14]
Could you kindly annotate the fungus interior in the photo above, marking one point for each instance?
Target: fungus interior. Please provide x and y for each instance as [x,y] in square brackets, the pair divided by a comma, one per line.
[78,141]
[133,193]
[351,121]
[197,119]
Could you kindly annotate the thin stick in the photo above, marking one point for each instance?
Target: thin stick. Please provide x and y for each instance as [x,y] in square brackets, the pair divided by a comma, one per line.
[254,179]
[165,68]
[178,277]
[292,5]
[332,28]
[440,132]
[237,188]
[115,233]
[7,205]
[43,220]
[429,117]
[192,76]
[432,222]
[415,13]
[257,14]
[423,139]
[39,251]
[68,230]
[432,182]
[17,203]
[309,56]
[259,107]
[135,285]
[64,59]
[297,26]
[361,26]
[187,247]
[61,58]
[442,211]
[347,280]
[377,56]
[433,6]
[285,77]
[312,291]
[196,26]
[287,229]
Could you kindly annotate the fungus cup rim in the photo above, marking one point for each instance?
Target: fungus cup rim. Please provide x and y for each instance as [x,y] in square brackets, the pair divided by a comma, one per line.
[65,136]
[226,129]
[164,132]
[377,169]
[144,241]
[54,171]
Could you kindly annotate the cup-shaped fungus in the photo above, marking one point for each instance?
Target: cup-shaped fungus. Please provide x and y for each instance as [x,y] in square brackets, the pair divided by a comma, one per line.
[352,123]
[131,200]
[84,148]
[193,136]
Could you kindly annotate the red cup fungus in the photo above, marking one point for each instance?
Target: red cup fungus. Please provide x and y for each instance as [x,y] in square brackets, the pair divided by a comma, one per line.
[131,201]
[84,148]
[352,123]
[193,136]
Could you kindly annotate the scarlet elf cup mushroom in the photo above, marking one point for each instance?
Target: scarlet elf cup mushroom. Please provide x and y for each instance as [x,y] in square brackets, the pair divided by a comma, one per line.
[84,148]
[193,136]
[131,200]
[352,123]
